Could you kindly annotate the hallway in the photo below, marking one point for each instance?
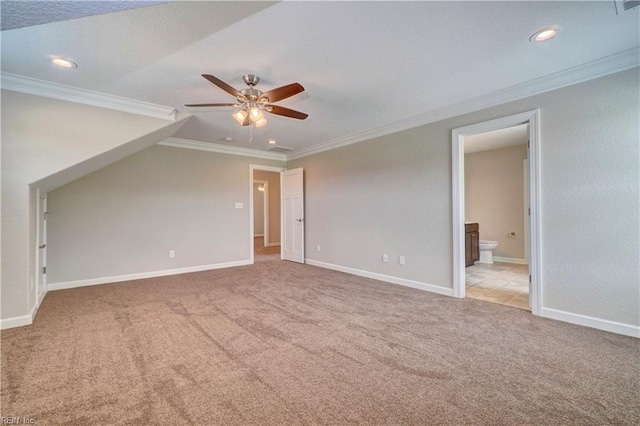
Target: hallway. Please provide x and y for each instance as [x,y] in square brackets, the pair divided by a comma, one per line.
[264,254]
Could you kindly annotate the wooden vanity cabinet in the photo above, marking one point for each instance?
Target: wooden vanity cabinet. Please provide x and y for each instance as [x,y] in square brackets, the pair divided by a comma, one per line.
[471,243]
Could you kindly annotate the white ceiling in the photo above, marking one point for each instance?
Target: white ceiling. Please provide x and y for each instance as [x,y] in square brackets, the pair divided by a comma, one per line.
[364,64]
[502,138]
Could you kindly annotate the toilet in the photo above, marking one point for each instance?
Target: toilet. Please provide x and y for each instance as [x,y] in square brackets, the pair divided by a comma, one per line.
[486,251]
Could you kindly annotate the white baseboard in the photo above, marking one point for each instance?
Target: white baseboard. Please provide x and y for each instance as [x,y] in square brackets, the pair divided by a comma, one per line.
[380,277]
[510,260]
[258,235]
[19,321]
[142,275]
[41,298]
[15,322]
[600,324]
[273,244]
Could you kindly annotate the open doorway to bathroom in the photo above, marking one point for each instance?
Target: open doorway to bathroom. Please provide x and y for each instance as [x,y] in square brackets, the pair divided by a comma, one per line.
[266,219]
[496,227]
[495,202]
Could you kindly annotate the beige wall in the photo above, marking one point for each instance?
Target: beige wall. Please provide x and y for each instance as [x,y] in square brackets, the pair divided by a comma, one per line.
[124,218]
[387,195]
[393,194]
[274,203]
[390,194]
[258,211]
[46,143]
[494,197]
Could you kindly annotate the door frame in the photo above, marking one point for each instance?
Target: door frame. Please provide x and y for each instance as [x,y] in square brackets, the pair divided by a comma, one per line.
[532,118]
[253,167]
[265,210]
[41,230]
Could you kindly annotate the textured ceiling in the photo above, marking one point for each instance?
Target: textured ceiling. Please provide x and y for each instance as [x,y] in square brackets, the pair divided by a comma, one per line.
[18,14]
[363,64]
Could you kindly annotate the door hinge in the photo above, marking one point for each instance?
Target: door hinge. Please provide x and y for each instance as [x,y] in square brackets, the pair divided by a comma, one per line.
[44,270]
[45,215]
[528,144]
[529,211]
[529,279]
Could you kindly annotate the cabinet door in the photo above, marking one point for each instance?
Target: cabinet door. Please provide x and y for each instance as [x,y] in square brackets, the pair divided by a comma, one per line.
[468,249]
[475,246]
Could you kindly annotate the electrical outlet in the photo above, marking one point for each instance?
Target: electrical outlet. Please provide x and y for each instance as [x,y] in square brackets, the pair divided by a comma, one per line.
[172,253]
[385,257]
[318,247]
[401,260]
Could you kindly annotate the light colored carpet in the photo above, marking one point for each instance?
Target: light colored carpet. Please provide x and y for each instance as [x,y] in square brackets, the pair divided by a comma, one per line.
[282,343]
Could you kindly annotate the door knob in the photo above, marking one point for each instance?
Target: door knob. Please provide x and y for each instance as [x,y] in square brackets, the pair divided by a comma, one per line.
[43,246]
[299,220]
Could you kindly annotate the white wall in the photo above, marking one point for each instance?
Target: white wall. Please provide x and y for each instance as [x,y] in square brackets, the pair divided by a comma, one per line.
[47,142]
[393,194]
[124,218]
[494,197]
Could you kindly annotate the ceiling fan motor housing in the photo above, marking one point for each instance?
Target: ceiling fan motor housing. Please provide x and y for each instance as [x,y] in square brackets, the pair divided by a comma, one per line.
[251,79]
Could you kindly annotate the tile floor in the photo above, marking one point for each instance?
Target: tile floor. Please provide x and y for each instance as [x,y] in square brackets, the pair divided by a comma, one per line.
[503,283]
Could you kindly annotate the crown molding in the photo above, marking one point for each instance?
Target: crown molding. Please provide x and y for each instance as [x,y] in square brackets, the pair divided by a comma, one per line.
[47,89]
[222,149]
[609,65]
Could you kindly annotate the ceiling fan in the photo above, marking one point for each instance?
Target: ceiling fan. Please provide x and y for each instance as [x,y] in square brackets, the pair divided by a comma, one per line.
[253,102]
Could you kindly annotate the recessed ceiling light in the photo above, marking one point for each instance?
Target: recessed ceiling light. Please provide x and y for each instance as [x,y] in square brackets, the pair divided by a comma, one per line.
[545,34]
[272,141]
[64,63]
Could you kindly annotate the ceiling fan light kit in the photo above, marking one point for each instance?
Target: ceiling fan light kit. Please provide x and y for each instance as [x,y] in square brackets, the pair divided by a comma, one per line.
[240,116]
[253,102]
[261,122]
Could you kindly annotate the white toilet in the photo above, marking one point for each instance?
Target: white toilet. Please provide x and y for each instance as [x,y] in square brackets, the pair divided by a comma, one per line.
[486,251]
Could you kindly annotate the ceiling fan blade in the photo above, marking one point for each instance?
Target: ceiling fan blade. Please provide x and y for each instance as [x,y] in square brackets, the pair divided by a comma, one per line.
[211,105]
[221,84]
[283,92]
[278,110]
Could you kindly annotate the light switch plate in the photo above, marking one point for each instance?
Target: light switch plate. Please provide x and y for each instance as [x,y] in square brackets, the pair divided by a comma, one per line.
[239,205]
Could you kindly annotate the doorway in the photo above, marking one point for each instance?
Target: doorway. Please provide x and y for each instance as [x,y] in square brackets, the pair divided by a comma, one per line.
[496,267]
[522,279]
[265,208]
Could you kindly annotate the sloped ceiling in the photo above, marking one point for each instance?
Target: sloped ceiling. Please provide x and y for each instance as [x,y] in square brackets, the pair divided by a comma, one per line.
[364,64]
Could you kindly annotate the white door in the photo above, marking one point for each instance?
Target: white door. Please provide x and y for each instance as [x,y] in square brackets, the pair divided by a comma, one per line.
[41,275]
[293,215]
